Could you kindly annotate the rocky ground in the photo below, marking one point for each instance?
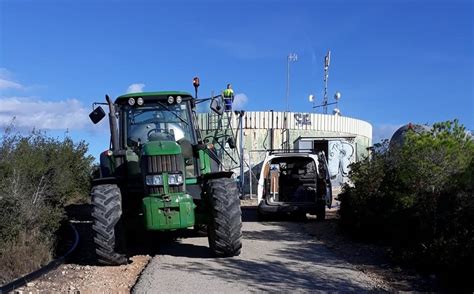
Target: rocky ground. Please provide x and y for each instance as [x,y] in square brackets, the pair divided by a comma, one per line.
[75,278]
[81,273]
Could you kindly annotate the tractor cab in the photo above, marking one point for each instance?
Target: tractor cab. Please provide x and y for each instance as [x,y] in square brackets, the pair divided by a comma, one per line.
[158,116]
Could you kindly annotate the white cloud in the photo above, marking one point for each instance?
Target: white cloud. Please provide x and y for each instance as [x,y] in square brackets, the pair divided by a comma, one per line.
[135,88]
[6,84]
[32,113]
[5,73]
[240,100]
[384,131]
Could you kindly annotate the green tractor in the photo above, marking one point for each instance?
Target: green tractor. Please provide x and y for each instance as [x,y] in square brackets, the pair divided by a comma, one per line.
[161,171]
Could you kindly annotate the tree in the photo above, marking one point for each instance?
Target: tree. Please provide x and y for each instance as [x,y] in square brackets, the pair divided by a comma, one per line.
[39,175]
[417,198]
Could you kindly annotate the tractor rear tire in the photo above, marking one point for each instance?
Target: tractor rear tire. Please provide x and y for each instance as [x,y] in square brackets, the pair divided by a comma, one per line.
[106,212]
[225,225]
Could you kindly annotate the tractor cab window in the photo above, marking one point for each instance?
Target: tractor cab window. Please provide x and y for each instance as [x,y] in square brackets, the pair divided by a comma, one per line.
[158,122]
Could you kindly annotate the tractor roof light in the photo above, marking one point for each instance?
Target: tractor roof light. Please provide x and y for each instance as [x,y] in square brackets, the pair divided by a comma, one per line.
[170,100]
[196,82]
[131,101]
[140,101]
[179,99]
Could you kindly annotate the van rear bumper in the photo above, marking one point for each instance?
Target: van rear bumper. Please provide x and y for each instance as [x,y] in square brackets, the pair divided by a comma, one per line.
[286,207]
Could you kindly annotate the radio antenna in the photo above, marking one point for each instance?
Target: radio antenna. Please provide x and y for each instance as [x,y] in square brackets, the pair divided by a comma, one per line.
[327,61]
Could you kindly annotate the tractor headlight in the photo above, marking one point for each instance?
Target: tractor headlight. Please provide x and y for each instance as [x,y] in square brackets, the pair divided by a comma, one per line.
[131,101]
[175,179]
[154,180]
[140,101]
[179,99]
[170,99]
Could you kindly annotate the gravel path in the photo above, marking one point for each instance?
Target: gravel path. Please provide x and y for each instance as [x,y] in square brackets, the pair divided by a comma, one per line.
[276,256]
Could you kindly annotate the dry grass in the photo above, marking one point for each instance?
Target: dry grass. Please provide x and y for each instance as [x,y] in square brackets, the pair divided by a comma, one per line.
[23,255]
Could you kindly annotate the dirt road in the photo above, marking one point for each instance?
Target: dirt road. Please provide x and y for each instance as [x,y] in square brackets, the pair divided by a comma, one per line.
[276,256]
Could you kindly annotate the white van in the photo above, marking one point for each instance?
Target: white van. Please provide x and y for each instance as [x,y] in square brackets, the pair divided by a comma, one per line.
[295,183]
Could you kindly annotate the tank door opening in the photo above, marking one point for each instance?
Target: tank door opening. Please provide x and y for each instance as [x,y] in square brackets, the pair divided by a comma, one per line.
[321,145]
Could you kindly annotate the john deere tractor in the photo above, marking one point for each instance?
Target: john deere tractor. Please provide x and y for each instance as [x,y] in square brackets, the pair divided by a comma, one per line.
[160,170]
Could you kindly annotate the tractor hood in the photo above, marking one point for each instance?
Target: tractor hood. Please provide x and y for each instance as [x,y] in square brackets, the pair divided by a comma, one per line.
[161,148]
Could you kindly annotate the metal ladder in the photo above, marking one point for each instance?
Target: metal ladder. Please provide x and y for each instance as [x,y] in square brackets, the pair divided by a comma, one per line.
[220,132]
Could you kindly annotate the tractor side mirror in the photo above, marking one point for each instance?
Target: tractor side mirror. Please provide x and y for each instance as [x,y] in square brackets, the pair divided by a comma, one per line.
[97,115]
[217,105]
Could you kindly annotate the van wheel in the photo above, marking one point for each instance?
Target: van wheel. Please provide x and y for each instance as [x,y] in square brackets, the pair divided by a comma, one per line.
[321,210]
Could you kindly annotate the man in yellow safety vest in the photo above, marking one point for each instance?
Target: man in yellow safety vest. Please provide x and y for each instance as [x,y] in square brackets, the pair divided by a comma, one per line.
[228,97]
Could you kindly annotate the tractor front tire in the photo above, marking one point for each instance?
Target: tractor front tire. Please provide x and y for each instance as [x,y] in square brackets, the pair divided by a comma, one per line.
[225,225]
[106,212]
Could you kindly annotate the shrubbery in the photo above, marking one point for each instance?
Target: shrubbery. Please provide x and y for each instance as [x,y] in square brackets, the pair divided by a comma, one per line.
[38,177]
[418,198]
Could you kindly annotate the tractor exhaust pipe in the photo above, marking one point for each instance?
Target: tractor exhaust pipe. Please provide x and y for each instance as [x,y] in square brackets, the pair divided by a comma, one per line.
[113,125]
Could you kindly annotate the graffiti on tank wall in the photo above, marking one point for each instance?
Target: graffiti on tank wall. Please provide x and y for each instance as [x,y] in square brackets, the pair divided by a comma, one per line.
[341,154]
[302,119]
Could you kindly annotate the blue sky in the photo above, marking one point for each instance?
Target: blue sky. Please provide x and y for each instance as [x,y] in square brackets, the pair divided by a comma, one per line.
[393,61]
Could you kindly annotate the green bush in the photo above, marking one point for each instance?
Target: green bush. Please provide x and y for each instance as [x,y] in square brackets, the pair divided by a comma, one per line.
[418,199]
[38,177]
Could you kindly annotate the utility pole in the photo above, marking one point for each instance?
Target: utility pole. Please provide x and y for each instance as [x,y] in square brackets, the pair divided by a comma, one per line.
[292,57]
[241,143]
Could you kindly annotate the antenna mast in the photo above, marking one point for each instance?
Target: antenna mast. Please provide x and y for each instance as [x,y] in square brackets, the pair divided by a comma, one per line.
[337,95]
[327,60]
